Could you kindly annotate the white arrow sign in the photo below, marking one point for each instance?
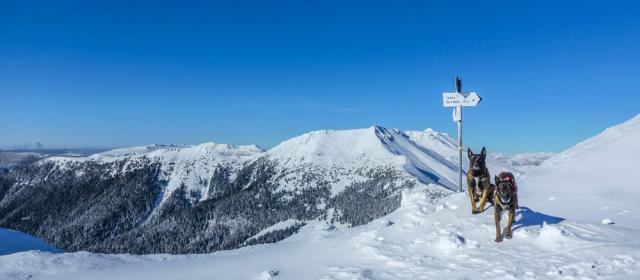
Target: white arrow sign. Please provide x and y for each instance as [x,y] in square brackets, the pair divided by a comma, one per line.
[455,99]
[472,99]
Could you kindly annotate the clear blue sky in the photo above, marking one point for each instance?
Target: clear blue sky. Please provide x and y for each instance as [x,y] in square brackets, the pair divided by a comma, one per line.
[123,73]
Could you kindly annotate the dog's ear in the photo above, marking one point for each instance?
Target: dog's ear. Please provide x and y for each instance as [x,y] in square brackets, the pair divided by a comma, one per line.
[469,152]
[483,152]
[496,179]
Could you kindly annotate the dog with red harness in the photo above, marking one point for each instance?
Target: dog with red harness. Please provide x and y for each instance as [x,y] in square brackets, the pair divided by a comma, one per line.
[505,197]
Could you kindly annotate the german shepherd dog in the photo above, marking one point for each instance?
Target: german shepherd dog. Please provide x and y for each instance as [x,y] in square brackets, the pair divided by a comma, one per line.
[505,199]
[478,180]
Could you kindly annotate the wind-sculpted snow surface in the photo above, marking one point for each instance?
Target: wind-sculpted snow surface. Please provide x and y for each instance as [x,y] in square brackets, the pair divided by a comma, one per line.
[209,197]
[596,181]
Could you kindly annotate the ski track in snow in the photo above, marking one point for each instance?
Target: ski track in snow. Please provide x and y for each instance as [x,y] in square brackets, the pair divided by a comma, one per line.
[423,239]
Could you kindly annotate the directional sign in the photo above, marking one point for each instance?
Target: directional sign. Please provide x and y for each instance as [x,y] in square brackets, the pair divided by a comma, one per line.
[458,100]
[455,99]
[472,99]
[452,99]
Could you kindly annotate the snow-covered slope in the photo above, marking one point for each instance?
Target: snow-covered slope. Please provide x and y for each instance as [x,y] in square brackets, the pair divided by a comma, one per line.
[423,239]
[216,196]
[428,156]
[340,156]
[12,241]
[188,166]
[557,232]
[595,180]
[524,162]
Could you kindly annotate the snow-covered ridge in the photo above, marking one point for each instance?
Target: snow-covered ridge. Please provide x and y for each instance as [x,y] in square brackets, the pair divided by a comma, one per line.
[340,157]
[333,146]
[428,156]
[609,138]
[524,162]
[181,165]
[593,181]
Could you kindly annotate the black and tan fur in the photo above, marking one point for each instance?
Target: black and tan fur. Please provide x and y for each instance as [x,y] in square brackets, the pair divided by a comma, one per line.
[505,199]
[478,180]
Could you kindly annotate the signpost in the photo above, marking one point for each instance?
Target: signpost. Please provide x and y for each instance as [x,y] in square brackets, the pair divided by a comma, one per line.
[458,100]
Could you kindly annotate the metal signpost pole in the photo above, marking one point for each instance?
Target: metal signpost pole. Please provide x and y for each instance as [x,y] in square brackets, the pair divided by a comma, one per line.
[457,100]
[459,115]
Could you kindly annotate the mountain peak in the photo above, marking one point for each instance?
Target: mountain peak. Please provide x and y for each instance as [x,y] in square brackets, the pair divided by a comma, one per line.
[332,145]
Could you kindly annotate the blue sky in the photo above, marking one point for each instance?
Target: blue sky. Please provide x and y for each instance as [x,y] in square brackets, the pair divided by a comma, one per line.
[123,73]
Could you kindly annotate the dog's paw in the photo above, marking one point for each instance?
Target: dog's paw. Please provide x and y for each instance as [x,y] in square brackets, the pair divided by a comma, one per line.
[508,236]
[474,212]
[498,239]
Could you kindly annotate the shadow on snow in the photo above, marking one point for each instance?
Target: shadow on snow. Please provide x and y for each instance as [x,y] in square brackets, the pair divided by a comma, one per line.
[526,217]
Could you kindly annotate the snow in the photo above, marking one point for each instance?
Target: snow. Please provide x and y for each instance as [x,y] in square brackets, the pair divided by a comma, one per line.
[426,156]
[139,150]
[12,241]
[189,166]
[427,239]
[595,180]
[340,157]
[578,218]
[523,162]
[331,146]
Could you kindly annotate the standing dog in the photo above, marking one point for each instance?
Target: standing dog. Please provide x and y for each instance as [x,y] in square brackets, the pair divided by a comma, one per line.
[478,180]
[505,199]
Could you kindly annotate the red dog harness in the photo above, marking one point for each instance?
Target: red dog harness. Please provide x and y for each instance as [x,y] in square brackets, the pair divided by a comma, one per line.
[508,179]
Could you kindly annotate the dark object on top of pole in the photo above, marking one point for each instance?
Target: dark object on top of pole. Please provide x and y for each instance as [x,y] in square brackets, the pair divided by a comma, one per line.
[458,84]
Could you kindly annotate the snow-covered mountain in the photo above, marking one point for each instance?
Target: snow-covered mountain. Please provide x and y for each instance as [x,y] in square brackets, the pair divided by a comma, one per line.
[157,198]
[422,231]
[190,167]
[594,181]
[428,156]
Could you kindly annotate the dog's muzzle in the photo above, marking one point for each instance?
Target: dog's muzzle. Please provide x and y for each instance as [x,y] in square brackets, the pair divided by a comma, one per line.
[504,200]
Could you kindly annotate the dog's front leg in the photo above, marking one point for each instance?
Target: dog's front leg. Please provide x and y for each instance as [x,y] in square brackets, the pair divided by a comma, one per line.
[472,195]
[496,216]
[510,221]
[483,199]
